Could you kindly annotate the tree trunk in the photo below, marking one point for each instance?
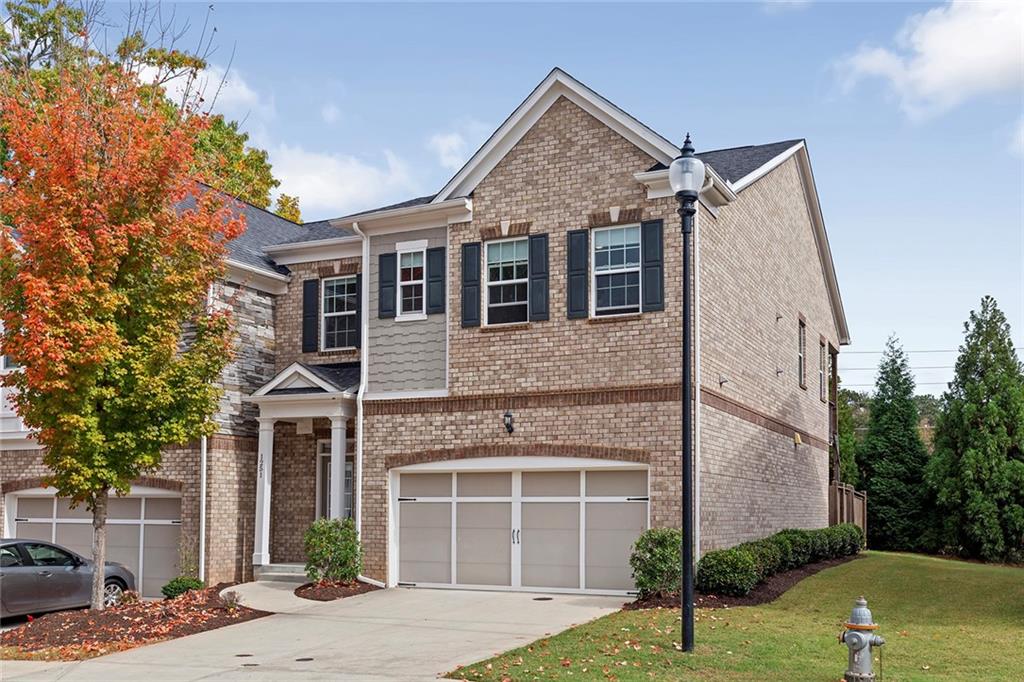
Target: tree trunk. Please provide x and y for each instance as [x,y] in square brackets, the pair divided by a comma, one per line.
[99,548]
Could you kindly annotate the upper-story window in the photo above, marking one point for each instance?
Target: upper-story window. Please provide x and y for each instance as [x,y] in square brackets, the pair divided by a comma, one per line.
[410,282]
[801,357]
[616,270]
[5,362]
[340,322]
[508,272]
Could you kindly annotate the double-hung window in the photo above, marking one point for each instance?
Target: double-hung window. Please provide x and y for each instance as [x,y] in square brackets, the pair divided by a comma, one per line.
[616,270]
[508,272]
[410,283]
[340,323]
[822,372]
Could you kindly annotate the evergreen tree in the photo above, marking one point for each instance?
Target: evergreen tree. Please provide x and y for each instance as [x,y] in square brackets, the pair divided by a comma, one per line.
[892,458]
[848,470]
[977,471]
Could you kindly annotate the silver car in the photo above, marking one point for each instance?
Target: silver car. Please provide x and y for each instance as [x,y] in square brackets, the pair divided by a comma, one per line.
[38,576]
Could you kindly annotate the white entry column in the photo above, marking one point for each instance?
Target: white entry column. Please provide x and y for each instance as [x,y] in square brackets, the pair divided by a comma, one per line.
[339,426]
[264,466]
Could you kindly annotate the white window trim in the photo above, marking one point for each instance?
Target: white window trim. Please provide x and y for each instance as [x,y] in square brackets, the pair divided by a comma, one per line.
[325,315]
[822,372]
[487,281]
[801,354]
[594,273]
[417,246]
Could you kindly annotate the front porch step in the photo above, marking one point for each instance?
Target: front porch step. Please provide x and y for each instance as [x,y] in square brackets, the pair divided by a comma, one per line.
[285,573]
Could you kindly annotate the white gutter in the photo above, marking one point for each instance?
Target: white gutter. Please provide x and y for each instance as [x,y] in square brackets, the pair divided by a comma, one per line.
[300,246]
[441,208]
[363,373]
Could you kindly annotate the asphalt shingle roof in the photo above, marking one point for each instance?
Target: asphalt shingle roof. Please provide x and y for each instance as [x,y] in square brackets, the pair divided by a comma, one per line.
[342,375]
[735,162]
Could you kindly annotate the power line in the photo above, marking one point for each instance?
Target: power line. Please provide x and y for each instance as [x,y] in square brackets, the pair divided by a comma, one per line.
[916,383]
[859,369]
[908,352]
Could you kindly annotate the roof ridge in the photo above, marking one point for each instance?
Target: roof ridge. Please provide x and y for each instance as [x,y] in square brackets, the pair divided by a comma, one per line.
[750,146]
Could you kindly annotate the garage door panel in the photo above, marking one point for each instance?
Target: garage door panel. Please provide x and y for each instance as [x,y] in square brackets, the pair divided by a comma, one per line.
[78,538]
[34,531]
[550,544]
[616,483]
[64,510]
[425,485]
[163,508]
[551,483]
[123,547]
[129,508]
[35,508]
[483,541]
[160,557]
[425,542]
[612,528]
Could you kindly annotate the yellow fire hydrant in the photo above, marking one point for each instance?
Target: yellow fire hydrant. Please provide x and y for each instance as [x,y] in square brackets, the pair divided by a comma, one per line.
[858,639]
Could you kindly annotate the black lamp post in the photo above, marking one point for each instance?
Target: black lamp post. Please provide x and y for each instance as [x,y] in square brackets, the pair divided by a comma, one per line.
[686,176]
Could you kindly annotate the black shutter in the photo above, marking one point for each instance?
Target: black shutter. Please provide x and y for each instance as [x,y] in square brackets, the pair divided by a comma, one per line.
[538,277]
[435,280]
[388,281]
[471,285]
[577,258]
[359,312]
[310,311]
[652,269]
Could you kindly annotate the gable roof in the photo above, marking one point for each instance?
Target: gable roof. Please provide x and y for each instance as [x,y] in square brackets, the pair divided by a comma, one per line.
[301,378]
[735,163]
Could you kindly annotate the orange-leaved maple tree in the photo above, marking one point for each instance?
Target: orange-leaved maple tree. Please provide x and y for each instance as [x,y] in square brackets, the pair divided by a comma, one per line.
[108,249]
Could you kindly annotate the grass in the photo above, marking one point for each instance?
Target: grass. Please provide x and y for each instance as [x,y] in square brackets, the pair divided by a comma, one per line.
[942,620]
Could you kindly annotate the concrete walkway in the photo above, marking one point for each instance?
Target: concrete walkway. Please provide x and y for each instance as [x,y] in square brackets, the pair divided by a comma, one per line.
[396,634]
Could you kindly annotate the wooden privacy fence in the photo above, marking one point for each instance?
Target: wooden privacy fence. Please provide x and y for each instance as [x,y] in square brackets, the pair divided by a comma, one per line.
[846,505]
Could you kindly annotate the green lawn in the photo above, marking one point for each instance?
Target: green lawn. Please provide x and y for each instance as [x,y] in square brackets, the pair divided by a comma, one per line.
[941,619]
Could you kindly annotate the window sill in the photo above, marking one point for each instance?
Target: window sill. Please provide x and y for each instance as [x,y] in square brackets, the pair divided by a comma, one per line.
[411,317]
[605,319]
[512,326]
[337,351]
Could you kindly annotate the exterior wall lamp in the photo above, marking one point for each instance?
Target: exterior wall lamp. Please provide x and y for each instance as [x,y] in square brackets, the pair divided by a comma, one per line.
[686,177]
[509,421]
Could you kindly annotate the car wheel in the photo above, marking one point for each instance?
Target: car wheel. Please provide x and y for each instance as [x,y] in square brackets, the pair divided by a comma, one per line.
[113,590]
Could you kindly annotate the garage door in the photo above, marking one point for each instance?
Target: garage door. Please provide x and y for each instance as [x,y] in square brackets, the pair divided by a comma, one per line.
[564,531]
[143,532]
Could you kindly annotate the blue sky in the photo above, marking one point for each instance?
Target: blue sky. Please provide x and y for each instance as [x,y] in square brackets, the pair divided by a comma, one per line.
[913,115]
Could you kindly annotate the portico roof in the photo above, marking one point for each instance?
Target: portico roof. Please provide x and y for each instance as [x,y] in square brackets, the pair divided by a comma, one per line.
[301,378]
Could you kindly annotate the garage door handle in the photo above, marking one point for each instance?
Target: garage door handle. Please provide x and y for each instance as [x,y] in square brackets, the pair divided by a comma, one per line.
[637,499]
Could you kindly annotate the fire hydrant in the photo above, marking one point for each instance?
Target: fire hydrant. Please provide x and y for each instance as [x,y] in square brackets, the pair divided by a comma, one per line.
[858,639]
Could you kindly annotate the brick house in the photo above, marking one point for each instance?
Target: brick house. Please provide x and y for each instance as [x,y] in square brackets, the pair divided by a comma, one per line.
[487,379]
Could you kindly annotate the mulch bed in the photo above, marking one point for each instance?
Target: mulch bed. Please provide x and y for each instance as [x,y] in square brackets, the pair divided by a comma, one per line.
[329,590]
[74,635]
[769,590]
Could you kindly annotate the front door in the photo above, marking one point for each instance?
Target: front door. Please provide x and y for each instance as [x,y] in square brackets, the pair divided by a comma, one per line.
[531,530]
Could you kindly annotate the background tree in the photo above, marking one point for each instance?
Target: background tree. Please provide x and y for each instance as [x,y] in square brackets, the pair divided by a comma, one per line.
[977,471]
[928,408]
[288,208]
[892,457]
[117,248]
[850,409]
[41,35]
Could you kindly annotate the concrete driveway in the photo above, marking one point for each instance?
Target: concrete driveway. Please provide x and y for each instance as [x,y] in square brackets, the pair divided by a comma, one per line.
[396,634]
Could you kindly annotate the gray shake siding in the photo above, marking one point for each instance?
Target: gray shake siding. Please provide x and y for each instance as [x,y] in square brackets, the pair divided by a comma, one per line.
[408,355]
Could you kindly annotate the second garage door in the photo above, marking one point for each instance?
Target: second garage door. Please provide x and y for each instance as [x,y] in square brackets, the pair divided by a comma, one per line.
[531,530]
[143,532]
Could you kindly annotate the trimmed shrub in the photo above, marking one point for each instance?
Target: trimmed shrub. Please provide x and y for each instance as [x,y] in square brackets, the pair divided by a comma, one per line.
[332,550]
[657,569]
[730,572]
[180,585]
[735,572]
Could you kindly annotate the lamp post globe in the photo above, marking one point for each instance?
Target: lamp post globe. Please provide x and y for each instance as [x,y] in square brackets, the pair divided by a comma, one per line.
[686,177]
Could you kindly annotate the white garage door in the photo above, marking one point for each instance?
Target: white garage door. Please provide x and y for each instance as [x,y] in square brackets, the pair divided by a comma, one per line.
[564,531]
[143,532]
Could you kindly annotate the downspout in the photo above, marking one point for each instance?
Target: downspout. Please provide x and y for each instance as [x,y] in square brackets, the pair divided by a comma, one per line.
[202,474]
[696,379]
[364,369]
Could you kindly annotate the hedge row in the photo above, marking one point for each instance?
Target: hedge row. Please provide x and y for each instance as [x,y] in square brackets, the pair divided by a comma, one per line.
[736,571]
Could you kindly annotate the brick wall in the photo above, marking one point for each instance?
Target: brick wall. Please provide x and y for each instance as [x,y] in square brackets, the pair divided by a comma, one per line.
[758,259]
[288,314]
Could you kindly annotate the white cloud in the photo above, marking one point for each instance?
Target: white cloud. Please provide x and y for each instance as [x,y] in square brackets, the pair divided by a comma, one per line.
[454,147]
[336,184]
[946,56]
[330,113]
[1017,142]
[780,6]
